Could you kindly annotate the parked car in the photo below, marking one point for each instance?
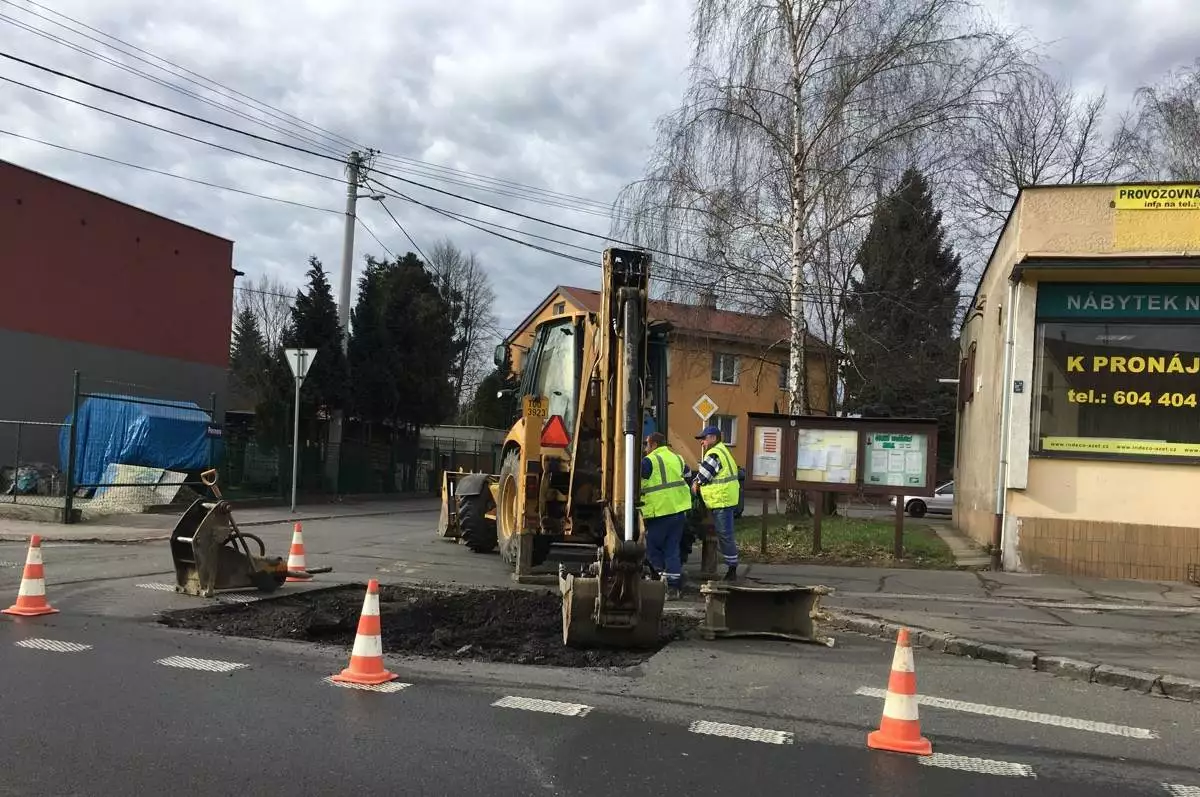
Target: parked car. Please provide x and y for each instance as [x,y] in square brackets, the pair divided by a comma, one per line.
[940,503]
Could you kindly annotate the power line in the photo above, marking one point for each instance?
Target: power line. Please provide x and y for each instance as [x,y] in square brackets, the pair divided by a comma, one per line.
[165,173]
[376,237]
[406,235]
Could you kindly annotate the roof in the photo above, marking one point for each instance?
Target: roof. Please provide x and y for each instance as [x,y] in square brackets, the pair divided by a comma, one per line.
[689,318]
[98,195]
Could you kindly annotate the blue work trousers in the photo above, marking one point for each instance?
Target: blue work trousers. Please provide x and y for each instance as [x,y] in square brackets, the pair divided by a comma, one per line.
[723,520]
[663,537]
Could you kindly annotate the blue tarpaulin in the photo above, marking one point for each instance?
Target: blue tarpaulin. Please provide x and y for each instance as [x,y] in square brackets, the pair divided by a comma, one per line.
[127,430]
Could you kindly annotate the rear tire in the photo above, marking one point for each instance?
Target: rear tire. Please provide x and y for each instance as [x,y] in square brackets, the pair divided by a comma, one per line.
[917,508]
[478,532]
[507,522]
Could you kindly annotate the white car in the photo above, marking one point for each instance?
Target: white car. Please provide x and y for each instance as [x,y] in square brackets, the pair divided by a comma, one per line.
[940,503]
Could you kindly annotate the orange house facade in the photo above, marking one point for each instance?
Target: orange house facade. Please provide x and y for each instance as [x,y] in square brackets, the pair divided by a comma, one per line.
[737,360]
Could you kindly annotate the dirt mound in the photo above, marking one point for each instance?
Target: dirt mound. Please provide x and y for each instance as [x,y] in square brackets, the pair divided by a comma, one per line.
[515,626]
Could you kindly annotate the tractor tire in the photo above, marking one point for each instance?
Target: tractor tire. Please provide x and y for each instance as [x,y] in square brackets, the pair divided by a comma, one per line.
[507,523]
[478,532]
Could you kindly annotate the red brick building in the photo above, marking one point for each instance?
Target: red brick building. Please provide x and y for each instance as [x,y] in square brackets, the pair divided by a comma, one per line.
[121,294]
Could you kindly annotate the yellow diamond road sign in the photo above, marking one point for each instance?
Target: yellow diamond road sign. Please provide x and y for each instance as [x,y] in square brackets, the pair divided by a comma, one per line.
[704,407]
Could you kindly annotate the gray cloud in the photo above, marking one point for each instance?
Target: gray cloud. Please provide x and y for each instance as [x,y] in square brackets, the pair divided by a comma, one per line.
[552,94]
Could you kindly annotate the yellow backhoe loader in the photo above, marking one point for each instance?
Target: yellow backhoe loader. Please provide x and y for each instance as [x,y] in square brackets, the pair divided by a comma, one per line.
[569,483]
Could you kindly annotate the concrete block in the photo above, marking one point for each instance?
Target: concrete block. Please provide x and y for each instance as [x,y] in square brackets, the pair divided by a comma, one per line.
[958,646]
[1179,688]
[1066,668]
[1019,657]
[1134,680]
[932,640]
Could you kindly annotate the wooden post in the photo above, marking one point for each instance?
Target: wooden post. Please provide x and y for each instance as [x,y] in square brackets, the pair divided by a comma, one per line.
[762,543]
[818,511]
[898,543]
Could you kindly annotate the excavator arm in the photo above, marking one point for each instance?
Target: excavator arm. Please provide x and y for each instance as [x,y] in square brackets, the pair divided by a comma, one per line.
[618,600]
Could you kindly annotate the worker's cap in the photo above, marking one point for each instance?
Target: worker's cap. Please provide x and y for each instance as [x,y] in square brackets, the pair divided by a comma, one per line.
[707,431]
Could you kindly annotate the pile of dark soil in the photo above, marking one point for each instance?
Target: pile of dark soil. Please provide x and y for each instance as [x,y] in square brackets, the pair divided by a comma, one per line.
[516,626]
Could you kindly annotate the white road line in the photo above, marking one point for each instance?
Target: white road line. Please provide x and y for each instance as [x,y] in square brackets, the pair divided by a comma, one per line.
[982,766]
[158,587]
[238,597]
[1179,790]
[390,686]
[10,564]
[211,665]
[1023,716]
[53,645]
[745,732]
[545,706]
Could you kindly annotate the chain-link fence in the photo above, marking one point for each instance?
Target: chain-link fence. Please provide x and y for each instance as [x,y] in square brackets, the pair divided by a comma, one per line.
[29,464]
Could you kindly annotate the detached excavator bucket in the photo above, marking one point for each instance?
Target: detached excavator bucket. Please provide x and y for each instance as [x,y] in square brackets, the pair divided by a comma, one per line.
[448,515]
[210,553]
[781,612]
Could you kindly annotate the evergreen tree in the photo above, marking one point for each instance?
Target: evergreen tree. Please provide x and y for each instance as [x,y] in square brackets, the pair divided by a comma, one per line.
[314,325]
[901,313]
[402,346]
[248,355]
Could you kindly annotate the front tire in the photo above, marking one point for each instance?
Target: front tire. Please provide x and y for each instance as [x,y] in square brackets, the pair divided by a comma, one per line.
[917,508]
[478,532]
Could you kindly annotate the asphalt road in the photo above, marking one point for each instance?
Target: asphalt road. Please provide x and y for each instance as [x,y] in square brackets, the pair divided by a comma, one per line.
[112,719]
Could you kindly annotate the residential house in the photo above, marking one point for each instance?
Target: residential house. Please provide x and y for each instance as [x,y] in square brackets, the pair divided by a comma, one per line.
[738,360]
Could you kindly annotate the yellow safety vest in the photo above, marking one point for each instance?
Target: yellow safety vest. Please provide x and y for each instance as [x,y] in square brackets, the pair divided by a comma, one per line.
[722,491]
[665,492]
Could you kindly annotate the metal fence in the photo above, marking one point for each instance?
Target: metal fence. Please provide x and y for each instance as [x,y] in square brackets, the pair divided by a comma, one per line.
[29,471]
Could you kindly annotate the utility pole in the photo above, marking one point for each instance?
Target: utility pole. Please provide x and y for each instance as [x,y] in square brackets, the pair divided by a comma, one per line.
[354,173]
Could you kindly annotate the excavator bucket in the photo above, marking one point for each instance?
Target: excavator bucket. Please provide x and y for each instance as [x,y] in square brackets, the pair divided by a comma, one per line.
[448,515]
[210,553]
[776,611]
[613,606]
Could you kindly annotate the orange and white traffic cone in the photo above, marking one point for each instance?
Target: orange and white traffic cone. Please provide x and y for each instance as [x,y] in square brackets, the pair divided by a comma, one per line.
[31,597]
[296,563]
[366,660]
[900,729]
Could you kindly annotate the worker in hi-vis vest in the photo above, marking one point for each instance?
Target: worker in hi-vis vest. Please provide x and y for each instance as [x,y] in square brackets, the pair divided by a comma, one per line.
[666,501]
[717,482]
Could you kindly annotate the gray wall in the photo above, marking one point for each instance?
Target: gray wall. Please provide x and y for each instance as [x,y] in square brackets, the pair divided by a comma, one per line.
[35,385]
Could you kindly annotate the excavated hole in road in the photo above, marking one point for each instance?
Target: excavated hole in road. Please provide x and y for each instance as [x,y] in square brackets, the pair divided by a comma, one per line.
[495,625]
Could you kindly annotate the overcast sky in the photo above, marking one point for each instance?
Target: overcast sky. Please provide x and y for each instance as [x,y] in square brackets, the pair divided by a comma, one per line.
[552,95]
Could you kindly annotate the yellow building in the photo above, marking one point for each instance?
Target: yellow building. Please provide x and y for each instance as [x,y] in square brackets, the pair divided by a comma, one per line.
[1078,430]
[737,360]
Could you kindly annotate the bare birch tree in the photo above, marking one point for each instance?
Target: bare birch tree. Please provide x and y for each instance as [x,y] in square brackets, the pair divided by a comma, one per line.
[792,109]
[271,300]
[1168,127]
[1043,132]
[463,281]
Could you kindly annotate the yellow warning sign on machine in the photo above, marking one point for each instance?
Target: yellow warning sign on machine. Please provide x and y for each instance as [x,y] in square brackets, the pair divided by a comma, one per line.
[1184,196]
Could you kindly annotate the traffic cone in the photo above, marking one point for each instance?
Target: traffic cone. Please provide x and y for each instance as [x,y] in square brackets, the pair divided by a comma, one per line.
[900,729]
[366,660]
[31,597]
[296,563]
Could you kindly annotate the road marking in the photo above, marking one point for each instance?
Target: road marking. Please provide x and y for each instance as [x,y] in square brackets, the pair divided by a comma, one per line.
[390,686]
[982,766]
[745,732]
[158,587]
[1180,790]
[211,665]
[53,645]
[238,597]
[1023,716]
[10,564]
[545,706]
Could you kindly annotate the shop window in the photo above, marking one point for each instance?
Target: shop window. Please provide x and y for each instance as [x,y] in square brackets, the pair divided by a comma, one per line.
[1117,389]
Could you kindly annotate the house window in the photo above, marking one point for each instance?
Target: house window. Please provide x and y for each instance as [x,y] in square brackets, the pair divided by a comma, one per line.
[728,424]
[783,374]
[560,308]
[725,369]
[1119,377]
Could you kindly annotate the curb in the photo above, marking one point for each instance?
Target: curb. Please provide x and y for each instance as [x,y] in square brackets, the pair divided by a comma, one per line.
[1174,687]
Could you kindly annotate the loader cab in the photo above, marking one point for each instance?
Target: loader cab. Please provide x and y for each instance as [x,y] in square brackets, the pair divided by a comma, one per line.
[551,368]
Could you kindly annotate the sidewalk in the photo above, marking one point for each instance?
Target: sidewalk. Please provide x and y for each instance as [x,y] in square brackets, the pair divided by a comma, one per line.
[1126,633]
[149,528]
